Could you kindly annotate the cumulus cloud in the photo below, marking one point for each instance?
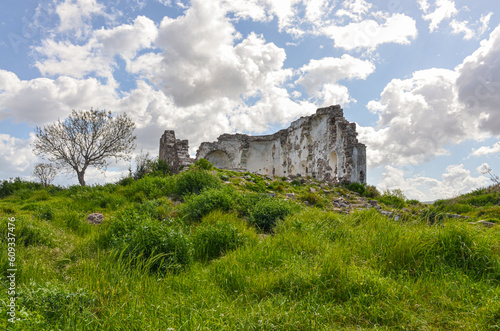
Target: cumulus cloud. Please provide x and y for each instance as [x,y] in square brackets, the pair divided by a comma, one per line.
[417,118]
[320,77]
[16,156]
[369,34]
[478,83]
[201,60]
[485,150]
[43,100]
[435,108]
[97,55]
[75,15]
[455,181]
[443,10]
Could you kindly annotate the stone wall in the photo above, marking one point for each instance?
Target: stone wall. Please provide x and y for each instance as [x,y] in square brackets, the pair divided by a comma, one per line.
[323,145]
[174,151]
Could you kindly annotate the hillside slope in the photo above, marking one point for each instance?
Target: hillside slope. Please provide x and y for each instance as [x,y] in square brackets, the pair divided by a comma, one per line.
[211,249]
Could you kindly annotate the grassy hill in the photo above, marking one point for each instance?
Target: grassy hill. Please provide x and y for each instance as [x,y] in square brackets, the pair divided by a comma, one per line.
[213,249]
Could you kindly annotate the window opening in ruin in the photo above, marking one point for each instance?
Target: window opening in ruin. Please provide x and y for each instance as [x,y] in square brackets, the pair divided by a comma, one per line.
[333,163]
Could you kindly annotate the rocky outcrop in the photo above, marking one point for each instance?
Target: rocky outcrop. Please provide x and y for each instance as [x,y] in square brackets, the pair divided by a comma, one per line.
[323,146]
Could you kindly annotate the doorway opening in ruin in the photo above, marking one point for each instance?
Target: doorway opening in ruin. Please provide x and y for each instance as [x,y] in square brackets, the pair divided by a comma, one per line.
[219,158]
[332,162]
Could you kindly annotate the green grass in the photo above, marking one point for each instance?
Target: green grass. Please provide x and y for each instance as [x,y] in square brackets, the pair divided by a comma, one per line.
[206,255]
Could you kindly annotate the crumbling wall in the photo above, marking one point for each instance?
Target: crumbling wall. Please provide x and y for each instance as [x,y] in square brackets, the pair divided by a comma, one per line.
[323,145]
[174,151]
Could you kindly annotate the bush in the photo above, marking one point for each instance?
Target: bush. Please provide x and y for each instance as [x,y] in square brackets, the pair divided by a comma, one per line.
[164,248]
[371,192]
[393,198]
[45,212]
[212,240]
[28,232]
[150,188]
[314,199]
[203,164]
[193,182]
[12,186]
[357,187]
[267,212]
[197,206]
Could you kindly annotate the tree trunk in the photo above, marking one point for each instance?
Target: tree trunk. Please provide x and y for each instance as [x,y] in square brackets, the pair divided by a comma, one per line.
[81,177]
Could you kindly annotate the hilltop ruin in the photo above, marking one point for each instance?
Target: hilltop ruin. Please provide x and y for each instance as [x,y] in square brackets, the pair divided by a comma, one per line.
[323,146]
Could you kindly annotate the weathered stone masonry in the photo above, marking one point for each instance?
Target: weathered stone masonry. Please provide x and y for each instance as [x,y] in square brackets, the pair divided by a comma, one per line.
[323,145]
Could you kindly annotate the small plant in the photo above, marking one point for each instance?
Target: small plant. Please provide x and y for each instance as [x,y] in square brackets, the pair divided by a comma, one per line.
[394,198]
[371,192]
[267,212]
[357,187]
[203,164]
[193,182]
[212,240]
[207,201]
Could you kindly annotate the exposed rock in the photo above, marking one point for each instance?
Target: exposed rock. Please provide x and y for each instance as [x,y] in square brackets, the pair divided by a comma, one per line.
[323,146]
[95,218]
[312,190]
[484,223]
[290,195]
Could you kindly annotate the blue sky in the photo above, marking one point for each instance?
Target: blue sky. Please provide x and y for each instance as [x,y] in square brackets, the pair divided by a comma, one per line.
[420,78]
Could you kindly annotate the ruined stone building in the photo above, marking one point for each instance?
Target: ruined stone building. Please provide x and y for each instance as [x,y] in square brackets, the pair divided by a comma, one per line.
[323,145]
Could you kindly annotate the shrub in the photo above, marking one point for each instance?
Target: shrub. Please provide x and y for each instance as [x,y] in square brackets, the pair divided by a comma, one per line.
[212,240]
[267,212]
[313,199]
[203,164]
[29,232]
[150,188]
[209,200]
[164,248]
[193,182]
[12,186]
[371,192]
[357,187]
[45,212]
[394,198]
[76,222]
[53,302]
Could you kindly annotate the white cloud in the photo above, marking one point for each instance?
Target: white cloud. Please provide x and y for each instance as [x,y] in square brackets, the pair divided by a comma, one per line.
[15,155]
[97,55]
[354,9]
[435,108]
[417,118]
[444,10]
[478,84]
[461,27]
[398,28]
[320,77]
[42,100]
[485,150]
[455,181]
[75,15]
[471,30]
[201,62]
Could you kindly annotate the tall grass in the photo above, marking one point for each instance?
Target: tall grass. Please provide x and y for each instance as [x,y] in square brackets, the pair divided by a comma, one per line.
[148,267]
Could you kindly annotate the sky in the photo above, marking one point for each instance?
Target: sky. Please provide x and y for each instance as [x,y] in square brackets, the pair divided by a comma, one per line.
[421,79]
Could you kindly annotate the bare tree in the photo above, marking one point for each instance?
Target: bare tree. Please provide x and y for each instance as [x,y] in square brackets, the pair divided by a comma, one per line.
[485,169]
[45,172]
[86,138]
